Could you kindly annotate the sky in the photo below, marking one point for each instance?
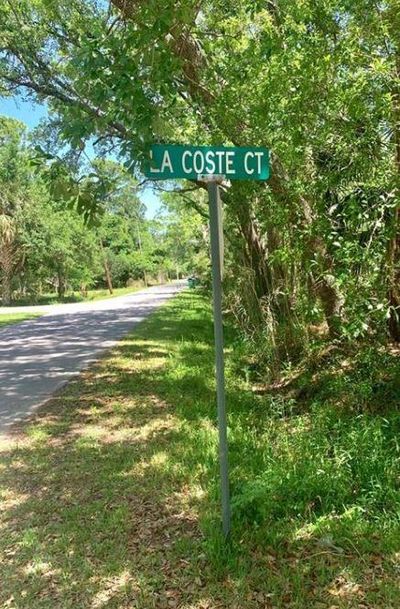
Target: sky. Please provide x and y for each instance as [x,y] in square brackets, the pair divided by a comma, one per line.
[31,114]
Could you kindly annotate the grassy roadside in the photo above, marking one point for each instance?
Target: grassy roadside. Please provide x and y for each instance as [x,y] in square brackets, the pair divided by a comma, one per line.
[15,318]
[110,497]
[92,295]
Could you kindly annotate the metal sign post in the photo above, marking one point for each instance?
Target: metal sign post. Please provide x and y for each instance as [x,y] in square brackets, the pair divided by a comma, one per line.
[211,164]
[217,248]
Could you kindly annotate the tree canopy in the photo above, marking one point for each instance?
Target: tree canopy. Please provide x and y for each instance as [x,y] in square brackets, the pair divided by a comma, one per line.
[48,243]
[315,81]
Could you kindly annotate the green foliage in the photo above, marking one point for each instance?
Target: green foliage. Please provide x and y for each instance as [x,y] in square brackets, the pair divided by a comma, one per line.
[62,223]
[315,81]
[314,482]
[312,257]
[185,234]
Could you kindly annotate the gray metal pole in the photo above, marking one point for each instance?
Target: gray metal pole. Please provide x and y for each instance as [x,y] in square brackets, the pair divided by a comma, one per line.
[217,264]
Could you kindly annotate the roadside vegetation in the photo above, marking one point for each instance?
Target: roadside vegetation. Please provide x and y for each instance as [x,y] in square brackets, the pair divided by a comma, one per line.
[312,253]
[53,250]
[110,495]
[90,295]
[15,318]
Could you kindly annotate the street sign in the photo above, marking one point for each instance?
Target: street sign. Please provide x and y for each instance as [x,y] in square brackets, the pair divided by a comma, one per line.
[169,162]
[213,165]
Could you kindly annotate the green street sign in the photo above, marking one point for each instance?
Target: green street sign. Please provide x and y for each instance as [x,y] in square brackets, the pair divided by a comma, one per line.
[169,162]
[212,164]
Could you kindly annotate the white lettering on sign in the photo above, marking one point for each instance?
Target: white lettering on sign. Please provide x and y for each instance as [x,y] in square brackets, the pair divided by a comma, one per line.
[259,156]
[210,168]
[246,163]
[185,168]
[198,162]
[210,162]
[153,169]
[220,154]
[166,162]
[229,162]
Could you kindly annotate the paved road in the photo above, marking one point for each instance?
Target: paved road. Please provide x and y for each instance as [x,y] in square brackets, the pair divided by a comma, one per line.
[40,355]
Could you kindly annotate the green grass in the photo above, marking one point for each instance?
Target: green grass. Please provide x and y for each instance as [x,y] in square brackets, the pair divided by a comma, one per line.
[110,497]
[92,295]
[104,294]
[15,318]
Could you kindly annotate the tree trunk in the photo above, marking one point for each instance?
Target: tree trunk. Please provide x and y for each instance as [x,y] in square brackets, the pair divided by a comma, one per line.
[393,272]
[393,251]
[331,301]
[323,284]
[108,276]
[393,280]
[7,268]
[6,289]
[106,267]
[60,284]
[257,258]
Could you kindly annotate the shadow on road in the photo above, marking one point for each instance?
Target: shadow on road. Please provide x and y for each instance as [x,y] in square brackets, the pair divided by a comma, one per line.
[38,356]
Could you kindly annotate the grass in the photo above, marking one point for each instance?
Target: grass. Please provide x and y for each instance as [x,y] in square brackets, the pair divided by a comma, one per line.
[15,318]
[92,295]
[110,495]
[105,294]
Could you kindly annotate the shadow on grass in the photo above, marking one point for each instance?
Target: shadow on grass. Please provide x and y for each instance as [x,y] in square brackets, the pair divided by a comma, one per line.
[104,490]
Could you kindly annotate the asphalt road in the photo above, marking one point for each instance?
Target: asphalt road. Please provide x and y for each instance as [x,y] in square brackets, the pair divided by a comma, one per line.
[38,356]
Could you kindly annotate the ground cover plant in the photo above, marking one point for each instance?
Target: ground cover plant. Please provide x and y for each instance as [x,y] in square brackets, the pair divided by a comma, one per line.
[109,496]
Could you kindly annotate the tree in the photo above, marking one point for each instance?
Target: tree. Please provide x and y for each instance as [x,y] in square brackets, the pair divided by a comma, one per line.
[183,232]
[317,83]
[43,237]
[14,189]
